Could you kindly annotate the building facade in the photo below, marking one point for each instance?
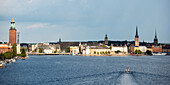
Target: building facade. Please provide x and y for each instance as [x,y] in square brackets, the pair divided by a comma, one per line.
[5,48]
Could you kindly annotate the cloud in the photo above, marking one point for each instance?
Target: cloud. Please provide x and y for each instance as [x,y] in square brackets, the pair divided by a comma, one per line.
[41,25]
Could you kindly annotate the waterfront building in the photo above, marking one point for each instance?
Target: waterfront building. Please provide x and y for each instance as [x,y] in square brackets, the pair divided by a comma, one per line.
[166,48]
[156,47]
[48,51]
[12,33]
[54,48]
[96,50]
[5,48]
[74,49]
[33,47]
[106,40]
[123,49]
[143,49]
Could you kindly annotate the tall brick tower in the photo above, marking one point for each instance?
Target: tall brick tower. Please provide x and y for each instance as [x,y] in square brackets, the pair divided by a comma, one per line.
[136,38]
[12,33]
[106,40]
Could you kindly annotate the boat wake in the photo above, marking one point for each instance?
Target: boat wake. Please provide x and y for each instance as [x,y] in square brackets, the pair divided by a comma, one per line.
[126,79]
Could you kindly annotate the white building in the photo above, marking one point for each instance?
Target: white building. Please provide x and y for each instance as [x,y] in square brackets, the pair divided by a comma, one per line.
[48,51]
[123,49]
[96,50]
[18,49]
[34,47]
[143,48]
[74,49]
[87,50]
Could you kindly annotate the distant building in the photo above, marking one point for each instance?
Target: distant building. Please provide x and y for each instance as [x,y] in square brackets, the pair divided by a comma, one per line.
[59,39]
[106,40]
[74,49]
[155,47]
[5,48]
[12,33]
[123,49]
[143,49]
[166,48]
[48,51]
[48,48]
[95,50]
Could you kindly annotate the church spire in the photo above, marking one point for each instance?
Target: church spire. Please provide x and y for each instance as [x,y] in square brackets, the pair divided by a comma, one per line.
[136,32]
[155,34]
[155,39]
[106,36]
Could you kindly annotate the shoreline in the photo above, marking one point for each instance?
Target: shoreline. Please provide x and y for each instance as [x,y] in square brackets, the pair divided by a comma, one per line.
[88,54]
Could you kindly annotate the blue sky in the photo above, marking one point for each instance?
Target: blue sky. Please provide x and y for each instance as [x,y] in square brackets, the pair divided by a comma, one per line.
[83,20]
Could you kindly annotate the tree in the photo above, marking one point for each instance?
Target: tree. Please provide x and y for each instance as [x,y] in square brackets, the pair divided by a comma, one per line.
[138,52]
[101,53]
[110,47]
[118,51]
[108,52]
[55,51]
[14,50]
[41,50]
[98,53]
[23,52]
[103,45]
[2,56]
[94,52]
[67,50]
[8,55]
[148,52]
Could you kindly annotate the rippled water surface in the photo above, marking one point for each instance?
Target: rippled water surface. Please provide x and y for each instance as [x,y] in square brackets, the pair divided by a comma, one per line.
[84,70]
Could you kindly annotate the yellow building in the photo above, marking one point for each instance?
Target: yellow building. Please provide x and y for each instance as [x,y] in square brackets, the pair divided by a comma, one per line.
[95,50]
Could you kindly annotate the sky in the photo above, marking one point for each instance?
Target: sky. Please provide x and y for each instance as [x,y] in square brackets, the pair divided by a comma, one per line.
[85,20]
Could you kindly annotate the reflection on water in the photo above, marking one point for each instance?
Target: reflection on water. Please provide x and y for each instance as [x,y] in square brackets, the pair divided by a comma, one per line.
[84,70]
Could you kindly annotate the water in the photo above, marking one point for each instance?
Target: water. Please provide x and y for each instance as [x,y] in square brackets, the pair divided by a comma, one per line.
[84,70]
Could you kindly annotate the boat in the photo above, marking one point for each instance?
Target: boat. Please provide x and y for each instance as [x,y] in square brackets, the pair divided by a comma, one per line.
[127,69]
[2,64]
[13,60]
[162,54]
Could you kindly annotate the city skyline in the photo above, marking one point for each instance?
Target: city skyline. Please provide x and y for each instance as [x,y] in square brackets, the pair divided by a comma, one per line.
[86,20]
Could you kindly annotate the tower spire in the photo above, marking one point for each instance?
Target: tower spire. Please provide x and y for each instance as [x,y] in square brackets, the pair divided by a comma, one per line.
[12,24]
[155,39]
[136,32]
[155,33]
[106,36]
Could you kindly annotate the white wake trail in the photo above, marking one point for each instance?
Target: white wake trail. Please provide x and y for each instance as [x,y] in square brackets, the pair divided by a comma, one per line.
[126,79]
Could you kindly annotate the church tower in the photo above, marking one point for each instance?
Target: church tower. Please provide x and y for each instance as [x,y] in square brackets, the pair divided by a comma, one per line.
[106,40]
[155,39]
[12,33]
[136,38]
